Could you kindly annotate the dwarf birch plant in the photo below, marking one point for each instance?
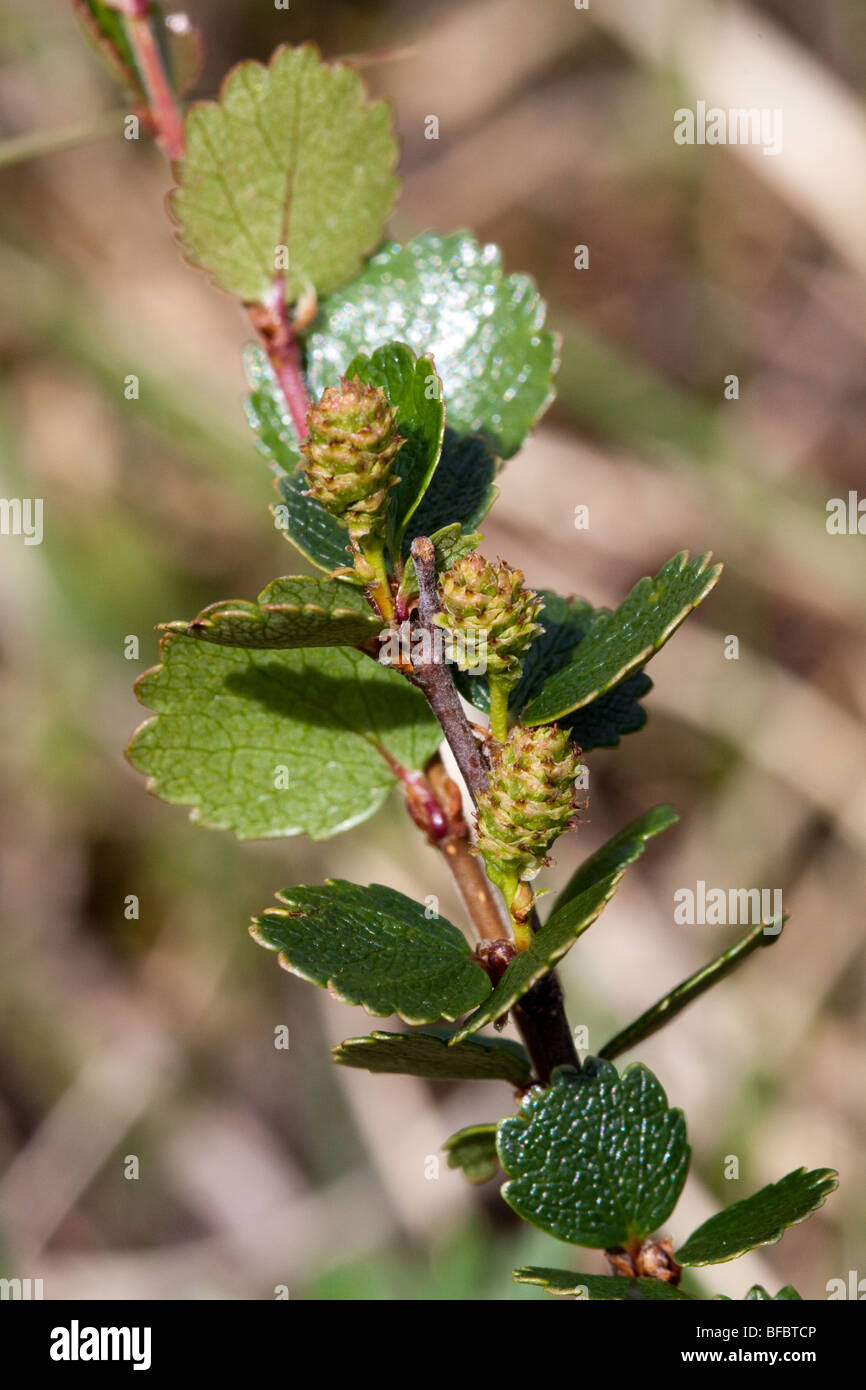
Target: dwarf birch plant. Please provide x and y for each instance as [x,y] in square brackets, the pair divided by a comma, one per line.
[387,387]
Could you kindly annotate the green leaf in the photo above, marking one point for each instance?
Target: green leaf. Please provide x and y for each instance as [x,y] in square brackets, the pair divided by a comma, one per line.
[428,1054]
[414,392]
[576,908]
[292,612]
[761,1219]
[602,722]
[546,947]
[447,295]
[374,947]
[687,991]
[280,742]
[267,412]
[619,643]
[461,489]
[316,534]
[104,29]
[616,853]
[597,1288]
[785,1295]
[291,155]
[474,1150]
[179,41]
[449,545]
[595,1159]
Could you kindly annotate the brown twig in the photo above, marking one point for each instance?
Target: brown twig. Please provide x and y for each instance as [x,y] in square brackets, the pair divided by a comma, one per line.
[466,868]
[542,1024]
[435,805]
[543,1008]
[432,676]
[540,1015]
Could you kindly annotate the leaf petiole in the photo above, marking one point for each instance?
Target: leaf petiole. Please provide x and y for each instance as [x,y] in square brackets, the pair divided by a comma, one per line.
[378,588]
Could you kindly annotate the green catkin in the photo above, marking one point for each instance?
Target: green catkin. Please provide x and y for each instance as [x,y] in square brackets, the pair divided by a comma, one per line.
[350,452]
[530,801]
[491,618]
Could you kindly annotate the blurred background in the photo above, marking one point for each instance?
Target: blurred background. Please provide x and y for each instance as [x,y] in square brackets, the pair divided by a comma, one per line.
[154,1037]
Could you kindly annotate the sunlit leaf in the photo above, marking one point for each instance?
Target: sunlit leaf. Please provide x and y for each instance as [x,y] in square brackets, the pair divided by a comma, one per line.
[448,295]
[271,743]
[621,642]
[293,612]
[287,178]
[375,947]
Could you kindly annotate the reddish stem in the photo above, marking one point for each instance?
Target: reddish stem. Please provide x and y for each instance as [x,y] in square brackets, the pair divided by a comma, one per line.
[434,679]
[161,99]
[290,374]
[271,322]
